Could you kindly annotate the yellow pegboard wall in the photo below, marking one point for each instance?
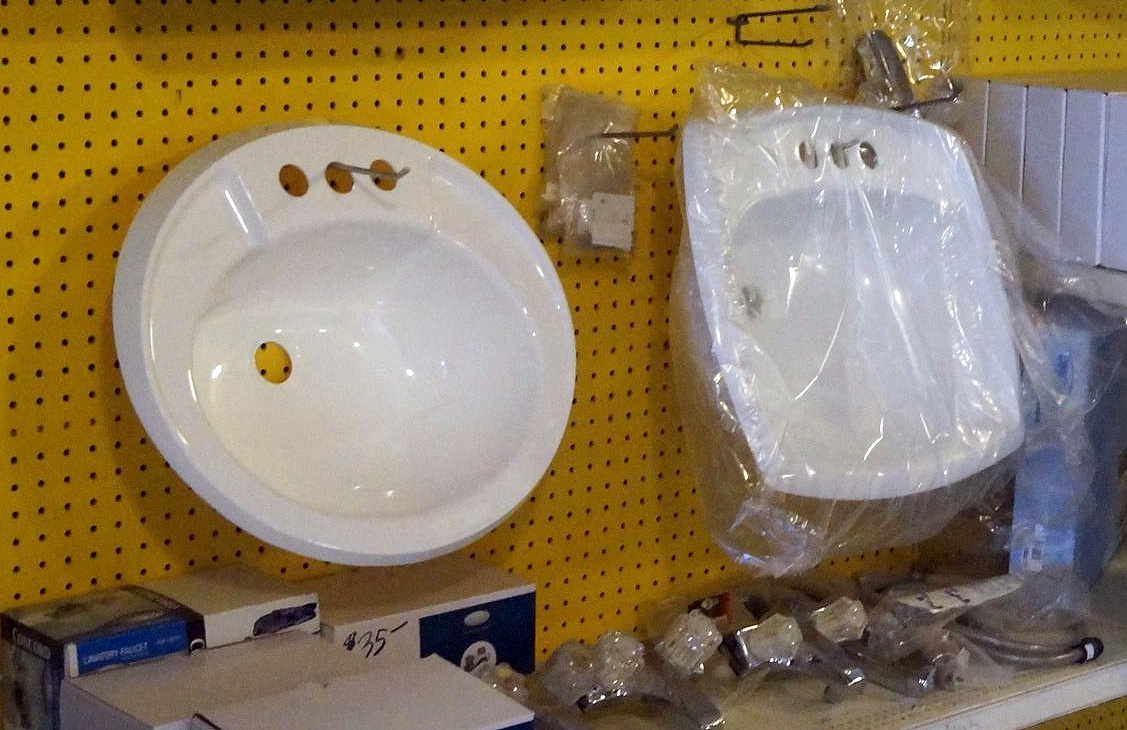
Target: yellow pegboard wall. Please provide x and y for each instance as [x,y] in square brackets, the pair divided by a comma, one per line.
[101,97]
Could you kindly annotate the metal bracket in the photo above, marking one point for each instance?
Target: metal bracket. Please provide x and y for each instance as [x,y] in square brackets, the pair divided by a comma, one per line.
[199,716]
[367,171]
[671,132]
[739,21]
[954,89]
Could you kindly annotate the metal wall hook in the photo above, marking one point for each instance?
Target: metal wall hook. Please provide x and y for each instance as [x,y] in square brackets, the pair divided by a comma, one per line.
[671,132]
[954,89]
[369,172]
[739,21]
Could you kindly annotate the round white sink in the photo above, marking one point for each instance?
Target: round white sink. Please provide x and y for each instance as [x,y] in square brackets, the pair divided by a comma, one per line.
[374,376]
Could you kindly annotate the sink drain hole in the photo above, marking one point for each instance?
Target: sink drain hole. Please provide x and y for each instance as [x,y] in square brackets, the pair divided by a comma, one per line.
[273,362]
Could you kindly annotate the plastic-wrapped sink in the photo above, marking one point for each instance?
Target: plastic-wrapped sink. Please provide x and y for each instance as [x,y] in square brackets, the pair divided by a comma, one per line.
[848,325]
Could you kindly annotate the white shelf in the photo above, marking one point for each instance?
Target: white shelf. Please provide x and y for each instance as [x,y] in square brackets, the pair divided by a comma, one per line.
[1036,696]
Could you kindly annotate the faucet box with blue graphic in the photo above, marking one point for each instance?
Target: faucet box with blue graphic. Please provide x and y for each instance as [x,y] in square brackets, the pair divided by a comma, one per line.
[239,603]
[468,613]
[72,637]
[67,638]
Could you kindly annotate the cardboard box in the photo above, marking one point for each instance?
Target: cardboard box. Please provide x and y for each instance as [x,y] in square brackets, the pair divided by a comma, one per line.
[65,638]
[1057,142]
[238,603]
[43,644]
[289,682]
[466,612]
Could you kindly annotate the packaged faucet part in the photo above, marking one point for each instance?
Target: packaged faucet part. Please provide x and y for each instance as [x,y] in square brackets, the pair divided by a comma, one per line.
[588,195]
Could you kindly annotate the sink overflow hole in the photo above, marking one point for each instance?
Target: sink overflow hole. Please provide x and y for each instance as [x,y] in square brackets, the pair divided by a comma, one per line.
[273,362]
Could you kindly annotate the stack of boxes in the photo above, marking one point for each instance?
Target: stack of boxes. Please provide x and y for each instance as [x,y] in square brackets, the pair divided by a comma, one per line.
[225,640]
[1059,144]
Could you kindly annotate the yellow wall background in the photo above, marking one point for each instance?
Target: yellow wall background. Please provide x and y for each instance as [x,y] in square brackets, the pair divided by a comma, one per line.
[101,97]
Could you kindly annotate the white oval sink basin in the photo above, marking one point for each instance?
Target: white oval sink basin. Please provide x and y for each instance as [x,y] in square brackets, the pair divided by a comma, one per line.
[428,347]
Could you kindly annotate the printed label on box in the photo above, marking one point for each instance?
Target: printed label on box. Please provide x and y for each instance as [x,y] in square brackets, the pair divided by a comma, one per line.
[612,220]
[964,596]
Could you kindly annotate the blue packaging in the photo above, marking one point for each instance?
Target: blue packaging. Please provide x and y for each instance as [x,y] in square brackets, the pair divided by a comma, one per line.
[40,645]
[1068,498]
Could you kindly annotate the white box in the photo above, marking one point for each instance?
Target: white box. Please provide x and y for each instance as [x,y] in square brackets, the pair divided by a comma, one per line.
[1005,135]
[1091,215]
[431,694]
[1113,236]
[1044,154]
[462,610]
[974,100]
[1082,180]
[164,694]
[289,682]
[237,603]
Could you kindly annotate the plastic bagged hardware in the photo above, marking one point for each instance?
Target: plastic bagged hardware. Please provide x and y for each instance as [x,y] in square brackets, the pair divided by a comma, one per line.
[844,342]
[611,674]
[569,673]
[588,196]
[841,620]
[908,618]
[927,36]
[886,82]
[617,657]
[690,642]
[504,679]
[774,640]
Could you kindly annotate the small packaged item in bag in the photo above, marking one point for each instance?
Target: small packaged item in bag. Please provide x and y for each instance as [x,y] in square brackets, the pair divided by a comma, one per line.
[588,196]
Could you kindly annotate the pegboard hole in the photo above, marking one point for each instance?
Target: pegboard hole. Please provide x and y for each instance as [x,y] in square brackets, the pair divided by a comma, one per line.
[293,180]
[383,183]
[338,179]
[273,362]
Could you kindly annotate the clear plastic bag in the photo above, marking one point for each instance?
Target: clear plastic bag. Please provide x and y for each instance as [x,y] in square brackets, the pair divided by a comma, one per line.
[927,35]
[853,346]
[588,196]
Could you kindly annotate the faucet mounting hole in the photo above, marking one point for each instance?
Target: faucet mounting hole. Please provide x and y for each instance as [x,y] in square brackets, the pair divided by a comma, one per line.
[338,179]
[837,154]
[383,183]
[293,180]
[868,155]
[273,362]
[807,154]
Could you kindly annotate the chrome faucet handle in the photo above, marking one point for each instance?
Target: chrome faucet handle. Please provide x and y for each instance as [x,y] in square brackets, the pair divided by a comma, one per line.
[660,685]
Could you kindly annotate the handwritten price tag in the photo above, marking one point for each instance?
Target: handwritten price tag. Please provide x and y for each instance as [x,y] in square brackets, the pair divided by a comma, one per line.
[389,640]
